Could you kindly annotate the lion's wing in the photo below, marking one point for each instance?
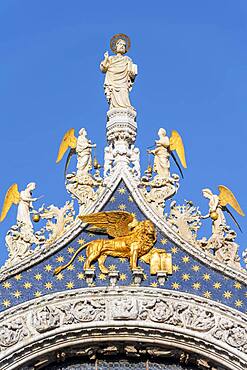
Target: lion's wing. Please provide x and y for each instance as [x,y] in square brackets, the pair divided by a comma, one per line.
[114,223]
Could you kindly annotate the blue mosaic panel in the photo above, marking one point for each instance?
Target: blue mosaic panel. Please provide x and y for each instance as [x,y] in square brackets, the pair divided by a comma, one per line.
[189,275]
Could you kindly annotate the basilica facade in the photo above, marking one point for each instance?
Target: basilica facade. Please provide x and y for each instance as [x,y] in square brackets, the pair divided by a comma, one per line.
[117,278]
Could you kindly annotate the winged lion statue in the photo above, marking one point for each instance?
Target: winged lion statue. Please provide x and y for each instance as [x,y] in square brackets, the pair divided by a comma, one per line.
[128,238]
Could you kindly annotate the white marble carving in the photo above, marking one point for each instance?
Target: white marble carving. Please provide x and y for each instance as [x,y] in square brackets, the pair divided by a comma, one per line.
[168,316]
[58,219]
[185,220]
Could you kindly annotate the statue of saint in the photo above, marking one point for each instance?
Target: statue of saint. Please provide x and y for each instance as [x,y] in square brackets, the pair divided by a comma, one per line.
[120,73]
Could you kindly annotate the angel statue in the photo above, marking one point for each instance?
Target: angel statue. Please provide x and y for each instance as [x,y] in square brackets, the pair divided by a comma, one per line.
[217,206]
[164,148]
[120,73]
[81,146]
[23,199]
[128,238]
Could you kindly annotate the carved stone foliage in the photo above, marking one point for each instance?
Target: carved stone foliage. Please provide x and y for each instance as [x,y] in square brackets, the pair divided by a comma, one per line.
[19,241]
[140,308]
[185,220]
[222,245]
[58,219]
[85,189]
[158,190]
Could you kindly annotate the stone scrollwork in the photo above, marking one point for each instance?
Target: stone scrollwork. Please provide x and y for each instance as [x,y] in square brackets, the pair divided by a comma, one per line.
[19,241]
[58,219]
[215,326]
[185,220]
[158,190]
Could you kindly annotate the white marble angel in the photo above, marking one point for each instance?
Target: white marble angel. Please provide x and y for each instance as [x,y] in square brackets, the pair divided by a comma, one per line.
[217,206]
[81,146]
[120,73]
[164,147]
[23,199]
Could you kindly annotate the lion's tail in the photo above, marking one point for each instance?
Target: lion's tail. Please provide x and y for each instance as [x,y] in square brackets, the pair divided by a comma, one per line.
[61,268]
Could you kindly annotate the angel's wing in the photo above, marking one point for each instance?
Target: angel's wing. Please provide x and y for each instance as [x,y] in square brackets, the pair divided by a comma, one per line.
[114,223]
[69,141]
[12,196]
[176,143]
[227,197]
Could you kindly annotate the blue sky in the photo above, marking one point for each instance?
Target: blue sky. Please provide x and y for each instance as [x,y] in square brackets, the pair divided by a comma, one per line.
[192,61]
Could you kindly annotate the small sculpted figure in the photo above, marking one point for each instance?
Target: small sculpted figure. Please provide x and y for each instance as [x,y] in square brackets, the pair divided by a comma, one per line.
[120,73]
[135,159]
[163,149]
[109,160]
[23,199]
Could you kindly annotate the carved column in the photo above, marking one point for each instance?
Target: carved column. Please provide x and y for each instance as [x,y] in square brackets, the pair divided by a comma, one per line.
[121,130]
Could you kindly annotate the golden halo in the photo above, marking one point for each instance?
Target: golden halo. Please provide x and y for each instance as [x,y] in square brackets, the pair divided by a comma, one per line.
[115,39]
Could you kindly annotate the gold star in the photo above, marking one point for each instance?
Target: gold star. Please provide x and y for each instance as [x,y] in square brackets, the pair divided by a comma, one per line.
[59,276]
[48,268]
[237,285]
[7,285]
[112,199]
[112,267]
[122,277]
[37,294]
[186,277]
[18,277]
[80,276]
[227,294]
[130,199]
[122,191]
[122,260]
[102,276]
[122,207]
[81,241]
[60,259]
[6,303]
[175,268]
[70,250]
[164,241]
[17,294]
[27,285]
[206,277]
[71,267]
[38,277]
[70,285]
[217,285]
[196,268]
[154,284]
[174,250]
[186,259]
[196,285]
[48,285]
[175,285]
[238,303]
[81,258]
[207,294]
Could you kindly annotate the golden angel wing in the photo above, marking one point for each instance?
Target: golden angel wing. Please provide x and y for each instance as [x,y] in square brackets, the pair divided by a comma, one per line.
[176,143]
[12,196]
[114,223]
[227,197]
[69,141]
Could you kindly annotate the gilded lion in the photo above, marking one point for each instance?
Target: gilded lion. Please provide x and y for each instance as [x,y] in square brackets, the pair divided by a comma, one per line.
[129,238]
